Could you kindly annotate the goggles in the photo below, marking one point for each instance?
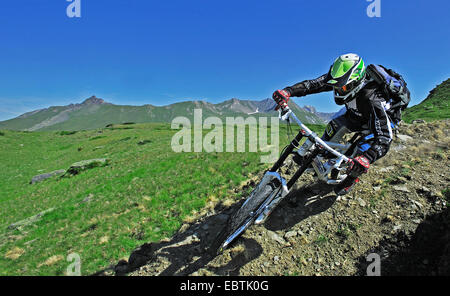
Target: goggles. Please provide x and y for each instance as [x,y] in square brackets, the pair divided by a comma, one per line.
[346,89]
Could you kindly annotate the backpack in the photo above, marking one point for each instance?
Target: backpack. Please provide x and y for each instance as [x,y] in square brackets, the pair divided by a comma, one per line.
[394,86]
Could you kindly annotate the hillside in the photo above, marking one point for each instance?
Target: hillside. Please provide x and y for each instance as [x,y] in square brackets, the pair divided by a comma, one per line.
[400,211]
[434,107]
[137,190]
[127,217]
[95,113]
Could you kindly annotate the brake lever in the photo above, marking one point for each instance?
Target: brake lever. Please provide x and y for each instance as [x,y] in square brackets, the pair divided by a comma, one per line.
[284,114]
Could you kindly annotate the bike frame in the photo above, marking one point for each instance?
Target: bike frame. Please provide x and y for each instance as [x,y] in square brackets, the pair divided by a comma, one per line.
[331,147]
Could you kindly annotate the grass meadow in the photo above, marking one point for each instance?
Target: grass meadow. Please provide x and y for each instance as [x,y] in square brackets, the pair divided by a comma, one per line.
[145,193]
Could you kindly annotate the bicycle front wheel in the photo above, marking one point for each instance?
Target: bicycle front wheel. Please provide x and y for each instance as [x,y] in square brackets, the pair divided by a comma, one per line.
[244,216]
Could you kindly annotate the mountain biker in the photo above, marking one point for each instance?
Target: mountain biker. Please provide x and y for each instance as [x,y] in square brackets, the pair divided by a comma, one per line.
[367,107]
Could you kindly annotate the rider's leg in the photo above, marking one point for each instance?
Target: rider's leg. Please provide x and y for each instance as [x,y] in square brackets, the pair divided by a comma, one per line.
[347,185]
[334,132]
[352,179]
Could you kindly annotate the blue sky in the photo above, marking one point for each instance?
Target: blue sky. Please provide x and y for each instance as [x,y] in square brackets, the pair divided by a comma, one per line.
[159,52]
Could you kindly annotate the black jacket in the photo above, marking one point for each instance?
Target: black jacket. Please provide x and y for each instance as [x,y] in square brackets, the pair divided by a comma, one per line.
[368,107]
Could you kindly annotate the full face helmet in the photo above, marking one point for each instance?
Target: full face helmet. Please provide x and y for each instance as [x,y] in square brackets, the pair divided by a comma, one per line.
[346,76]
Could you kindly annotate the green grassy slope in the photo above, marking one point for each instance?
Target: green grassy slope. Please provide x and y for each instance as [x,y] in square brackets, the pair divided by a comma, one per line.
[434,107]
[144,195]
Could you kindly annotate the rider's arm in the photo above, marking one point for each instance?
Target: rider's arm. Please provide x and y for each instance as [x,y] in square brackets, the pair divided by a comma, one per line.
[308,87]
[381,128]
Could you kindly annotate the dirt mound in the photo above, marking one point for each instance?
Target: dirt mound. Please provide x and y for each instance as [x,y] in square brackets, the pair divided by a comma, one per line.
[399,211]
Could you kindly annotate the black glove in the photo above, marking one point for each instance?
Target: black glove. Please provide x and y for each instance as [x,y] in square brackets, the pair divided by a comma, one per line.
[281,97]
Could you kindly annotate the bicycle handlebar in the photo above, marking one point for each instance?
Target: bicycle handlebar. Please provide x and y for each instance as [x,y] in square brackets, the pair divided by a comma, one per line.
[287,113]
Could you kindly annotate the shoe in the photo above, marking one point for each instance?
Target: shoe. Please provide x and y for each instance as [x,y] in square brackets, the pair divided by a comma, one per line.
[346,186]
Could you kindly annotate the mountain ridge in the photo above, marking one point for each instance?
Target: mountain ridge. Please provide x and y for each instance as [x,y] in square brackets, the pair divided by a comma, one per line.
[95,112]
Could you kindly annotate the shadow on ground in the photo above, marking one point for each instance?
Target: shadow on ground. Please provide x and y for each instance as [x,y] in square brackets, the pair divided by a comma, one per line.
[187,251]
[425,252]
[300,204]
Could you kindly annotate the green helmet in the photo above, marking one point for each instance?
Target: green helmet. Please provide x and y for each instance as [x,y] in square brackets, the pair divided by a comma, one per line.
[346,76]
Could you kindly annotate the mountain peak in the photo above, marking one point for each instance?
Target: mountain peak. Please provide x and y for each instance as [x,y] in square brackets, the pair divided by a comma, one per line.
[310,108]
[93,101]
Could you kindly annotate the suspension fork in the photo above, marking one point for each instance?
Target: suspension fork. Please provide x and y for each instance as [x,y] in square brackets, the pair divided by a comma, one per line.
[295,143]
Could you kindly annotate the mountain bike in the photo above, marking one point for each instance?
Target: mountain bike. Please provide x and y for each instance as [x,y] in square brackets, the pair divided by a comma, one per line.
[328,160]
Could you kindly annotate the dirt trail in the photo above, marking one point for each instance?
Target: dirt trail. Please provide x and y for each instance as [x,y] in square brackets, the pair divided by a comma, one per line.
[398,211]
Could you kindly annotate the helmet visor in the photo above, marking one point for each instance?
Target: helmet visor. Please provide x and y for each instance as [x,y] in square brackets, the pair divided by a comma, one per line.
[346,89]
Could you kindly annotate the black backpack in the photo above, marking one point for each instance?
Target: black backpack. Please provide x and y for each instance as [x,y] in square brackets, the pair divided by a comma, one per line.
[394,87]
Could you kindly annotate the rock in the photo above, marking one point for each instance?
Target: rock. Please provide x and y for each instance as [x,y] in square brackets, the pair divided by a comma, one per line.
[425,190]
[43,177]
[399,147]
[404,138]
[83,165]
[417,203]
[88,198]
[386,169]
[415,121]
[361,202]
[29,220]
[397,227]
[401,188]
[414,208]
[276,237]
[437,194]
[290,234]
[144,142]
